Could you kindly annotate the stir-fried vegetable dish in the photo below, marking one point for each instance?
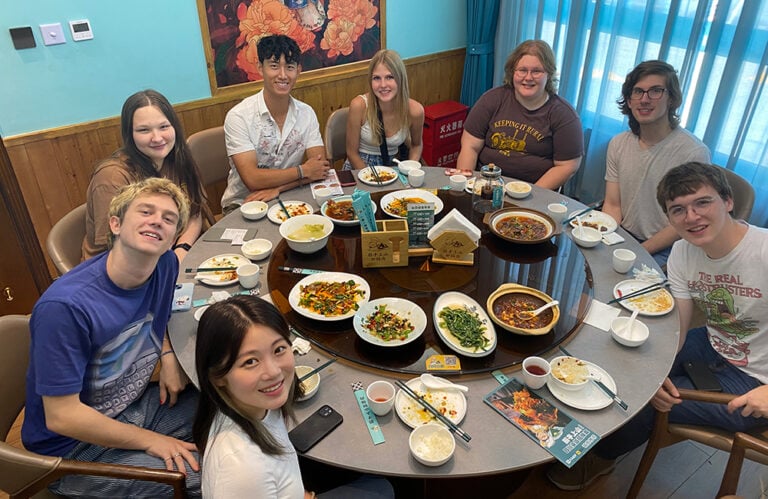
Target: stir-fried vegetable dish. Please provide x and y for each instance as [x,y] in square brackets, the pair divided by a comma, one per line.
[387,325]
[331,298]
[465,325]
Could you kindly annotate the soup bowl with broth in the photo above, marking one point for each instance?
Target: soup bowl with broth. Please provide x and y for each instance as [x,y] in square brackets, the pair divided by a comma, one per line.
[306,233]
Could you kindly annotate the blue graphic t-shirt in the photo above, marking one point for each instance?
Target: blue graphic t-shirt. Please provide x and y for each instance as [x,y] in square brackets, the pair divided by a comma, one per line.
[95,339]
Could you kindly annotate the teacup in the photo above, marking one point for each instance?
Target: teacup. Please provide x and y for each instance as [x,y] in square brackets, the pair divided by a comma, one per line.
[248,275]
[623,260]
[458,182]
[535,372]
[557,211]
[381,397]
[416,177]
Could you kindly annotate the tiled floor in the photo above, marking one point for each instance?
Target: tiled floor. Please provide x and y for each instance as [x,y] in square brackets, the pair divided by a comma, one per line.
[682,471]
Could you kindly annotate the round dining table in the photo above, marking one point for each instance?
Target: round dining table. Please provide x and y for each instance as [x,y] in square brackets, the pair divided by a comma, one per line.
[586,275]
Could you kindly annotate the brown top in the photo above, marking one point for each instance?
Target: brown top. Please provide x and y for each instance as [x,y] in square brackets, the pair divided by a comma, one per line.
[108,178]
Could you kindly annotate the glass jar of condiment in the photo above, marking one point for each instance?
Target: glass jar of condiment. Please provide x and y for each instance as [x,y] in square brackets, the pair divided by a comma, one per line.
[488,192]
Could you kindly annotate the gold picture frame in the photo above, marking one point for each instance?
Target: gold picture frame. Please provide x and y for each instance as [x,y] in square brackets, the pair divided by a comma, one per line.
[337,37]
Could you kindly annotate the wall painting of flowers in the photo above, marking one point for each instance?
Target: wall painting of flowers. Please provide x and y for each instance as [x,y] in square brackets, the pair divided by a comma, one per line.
[329,33]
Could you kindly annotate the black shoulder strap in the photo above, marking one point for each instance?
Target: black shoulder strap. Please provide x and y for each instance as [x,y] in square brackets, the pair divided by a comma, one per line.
[383,145]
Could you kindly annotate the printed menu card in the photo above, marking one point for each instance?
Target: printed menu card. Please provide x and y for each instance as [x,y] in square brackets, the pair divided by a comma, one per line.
[557,432]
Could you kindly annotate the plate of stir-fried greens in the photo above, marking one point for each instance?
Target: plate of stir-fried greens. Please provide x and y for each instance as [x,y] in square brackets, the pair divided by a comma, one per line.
[464,325]
[329,296]
[389,322]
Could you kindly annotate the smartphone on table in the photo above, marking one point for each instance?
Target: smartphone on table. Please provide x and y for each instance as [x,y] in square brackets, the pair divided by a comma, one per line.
[314,428]
[346,178]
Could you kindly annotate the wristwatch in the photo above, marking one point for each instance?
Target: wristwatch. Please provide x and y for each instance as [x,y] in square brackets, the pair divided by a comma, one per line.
[184,246]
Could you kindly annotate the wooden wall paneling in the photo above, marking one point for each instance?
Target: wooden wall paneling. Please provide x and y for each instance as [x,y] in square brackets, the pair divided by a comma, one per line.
[53,167]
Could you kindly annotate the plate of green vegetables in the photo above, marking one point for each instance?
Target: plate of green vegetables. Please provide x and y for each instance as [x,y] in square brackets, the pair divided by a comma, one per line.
[463,325]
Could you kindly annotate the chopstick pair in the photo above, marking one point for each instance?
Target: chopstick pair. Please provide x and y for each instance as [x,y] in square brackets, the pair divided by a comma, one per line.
[582,212]
[376,175]
[207,269]
[285,210]
[642,291]
[452,427]
[317,369]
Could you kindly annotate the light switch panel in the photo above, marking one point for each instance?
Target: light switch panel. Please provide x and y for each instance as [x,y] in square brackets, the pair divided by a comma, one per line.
[53,34]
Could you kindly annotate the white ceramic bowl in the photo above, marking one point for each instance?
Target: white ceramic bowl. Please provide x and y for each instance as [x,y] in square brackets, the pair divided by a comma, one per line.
[256,249]
[408,165]
[293,224]
[560,366]
[634,339]
[517,189]
[586,236]
[311,384]
[254,210]
[431,444]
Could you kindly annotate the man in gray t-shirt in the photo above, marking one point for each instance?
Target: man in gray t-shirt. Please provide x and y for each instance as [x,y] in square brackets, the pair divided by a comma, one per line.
[638,159]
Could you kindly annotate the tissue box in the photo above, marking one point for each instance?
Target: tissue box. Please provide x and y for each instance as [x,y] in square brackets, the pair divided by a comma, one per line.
[388,247]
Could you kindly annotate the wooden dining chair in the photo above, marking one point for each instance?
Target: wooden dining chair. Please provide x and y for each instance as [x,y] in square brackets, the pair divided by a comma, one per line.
[65,240]
[665,433]
[209,150]
[336,135]
[27,474]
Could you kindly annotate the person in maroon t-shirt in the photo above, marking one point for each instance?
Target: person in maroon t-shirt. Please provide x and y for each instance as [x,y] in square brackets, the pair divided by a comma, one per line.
[523,126]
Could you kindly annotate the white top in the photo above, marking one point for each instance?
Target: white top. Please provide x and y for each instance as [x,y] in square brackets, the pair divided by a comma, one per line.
[367,144]
[234,466]
[638,170]
[731,290]
[250,127]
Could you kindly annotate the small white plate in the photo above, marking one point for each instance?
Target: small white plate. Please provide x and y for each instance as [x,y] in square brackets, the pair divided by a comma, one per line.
[427,196]
[225,260]
[597,220]
[456,299]
[276,214]
[451,403]
[388,175]
[199,312]
[589,398]
[324,208]
[403,308]
[294,297]
[659,302]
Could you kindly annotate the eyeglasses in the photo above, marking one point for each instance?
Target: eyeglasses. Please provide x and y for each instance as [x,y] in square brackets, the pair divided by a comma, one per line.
[654,93]
[523,72]
[700,206]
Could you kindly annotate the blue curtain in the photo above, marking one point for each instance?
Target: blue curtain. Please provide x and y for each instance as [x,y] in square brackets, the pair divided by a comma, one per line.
[478,63]
[719,47]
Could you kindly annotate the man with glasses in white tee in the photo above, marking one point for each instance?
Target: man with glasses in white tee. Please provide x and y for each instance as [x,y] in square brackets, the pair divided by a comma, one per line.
[637,159]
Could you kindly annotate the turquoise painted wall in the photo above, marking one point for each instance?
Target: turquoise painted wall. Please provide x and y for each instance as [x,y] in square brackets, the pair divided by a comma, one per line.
[150,44]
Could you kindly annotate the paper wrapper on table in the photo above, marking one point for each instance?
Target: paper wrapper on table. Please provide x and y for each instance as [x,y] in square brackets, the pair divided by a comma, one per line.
[388,246]
[454,239]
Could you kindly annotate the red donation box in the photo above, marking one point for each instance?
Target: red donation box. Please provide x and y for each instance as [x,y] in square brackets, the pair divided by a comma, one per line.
[443,125]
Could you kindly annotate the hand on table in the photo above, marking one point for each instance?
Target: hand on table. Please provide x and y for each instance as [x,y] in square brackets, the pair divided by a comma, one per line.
[263,195]
[666,397]
[316,168]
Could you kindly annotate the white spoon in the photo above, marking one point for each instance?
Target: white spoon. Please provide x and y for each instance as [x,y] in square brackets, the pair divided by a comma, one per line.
[530,314]
[431,381]
[630,323]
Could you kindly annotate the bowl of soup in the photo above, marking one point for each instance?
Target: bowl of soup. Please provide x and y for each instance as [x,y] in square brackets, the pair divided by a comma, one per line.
[508,304]
[306,233]
[521,225]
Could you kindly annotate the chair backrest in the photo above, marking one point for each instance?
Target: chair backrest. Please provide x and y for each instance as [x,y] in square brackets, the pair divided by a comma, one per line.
[336,135]
[65,241]
[209,151]
[743,195]
[14,358]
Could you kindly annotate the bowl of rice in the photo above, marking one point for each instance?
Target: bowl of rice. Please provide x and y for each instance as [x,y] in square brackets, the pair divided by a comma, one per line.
[569,373]
[432,444]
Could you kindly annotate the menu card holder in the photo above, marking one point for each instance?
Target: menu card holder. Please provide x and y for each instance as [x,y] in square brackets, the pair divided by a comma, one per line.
[388,246]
